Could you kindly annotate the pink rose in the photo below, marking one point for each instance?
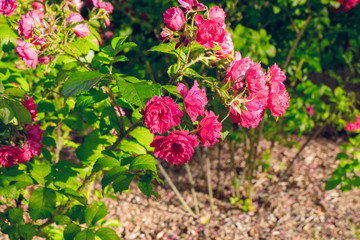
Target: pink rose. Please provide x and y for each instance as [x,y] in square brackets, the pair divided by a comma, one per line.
[27,53]
[209,129]
[275,74]
[9,156]
[28,22]
[237,69]
[30,106]
[176,148]
[109,34]
[37,6]
[34,132]
[217,14]
[31,149]
[161,114]
[227,47]
[278,99]
[194,100]
[358,120]
[193,5]
[108,7]
[80,30]
[251,117]
[174,18]
[7,7]
[209,32]
[351,126]
[255,78]
[44,59]
[311,110]
[278,96]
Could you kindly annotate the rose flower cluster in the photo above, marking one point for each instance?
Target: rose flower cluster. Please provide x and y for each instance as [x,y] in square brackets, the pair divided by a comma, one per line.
[31,147]
[40,28]
[162,114]
[209,32]
[255,91]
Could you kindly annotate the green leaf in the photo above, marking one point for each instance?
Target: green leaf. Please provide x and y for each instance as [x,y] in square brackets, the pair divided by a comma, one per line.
[62,220]
[27,231]
[95,213]
[118,41]
[122,183]
[42,203]
[332,182]
[15,215]
[7,34]
[144,162]
[347,147]
[17,92]
[136,93]
[124,46]
[111,175]
[341,156]
[164,48]
[107,234]
[92,147]
[40,172]
[21,113]
[132,147]
[74,195]
[71,231]
[6,113]
[106,162]
[79,82]
[86,234]
[143,136]
[145,185]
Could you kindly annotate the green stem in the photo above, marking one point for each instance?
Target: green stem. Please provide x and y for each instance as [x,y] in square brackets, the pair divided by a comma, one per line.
[208,179]
[173,187]
[192,188]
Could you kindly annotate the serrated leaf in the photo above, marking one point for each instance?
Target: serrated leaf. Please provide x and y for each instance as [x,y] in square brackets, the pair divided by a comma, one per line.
[107,234]
[111,175]
[164,48]
[20,112]
[105,163]
[132,147]
[143,136]
[118,41]
[124,46]
[6,113]
[92,147]
[144,162]
[74,195]
[15,215]
[7,34]
[137,93]
[17,92]
[341,156]
[122,182]
[86,234]
[145,185]
[79,82]
[42,203]
[95,213]
[40,172]
[71,231]
[62,219]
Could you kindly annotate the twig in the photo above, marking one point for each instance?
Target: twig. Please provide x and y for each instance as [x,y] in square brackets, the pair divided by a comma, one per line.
[208,178]
[219,169]
[233,166]
[296,42]
[192,188]
[173,187]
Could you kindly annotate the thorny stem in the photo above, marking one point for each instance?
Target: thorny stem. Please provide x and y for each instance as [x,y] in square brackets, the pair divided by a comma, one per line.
[192,188]
[173,187]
